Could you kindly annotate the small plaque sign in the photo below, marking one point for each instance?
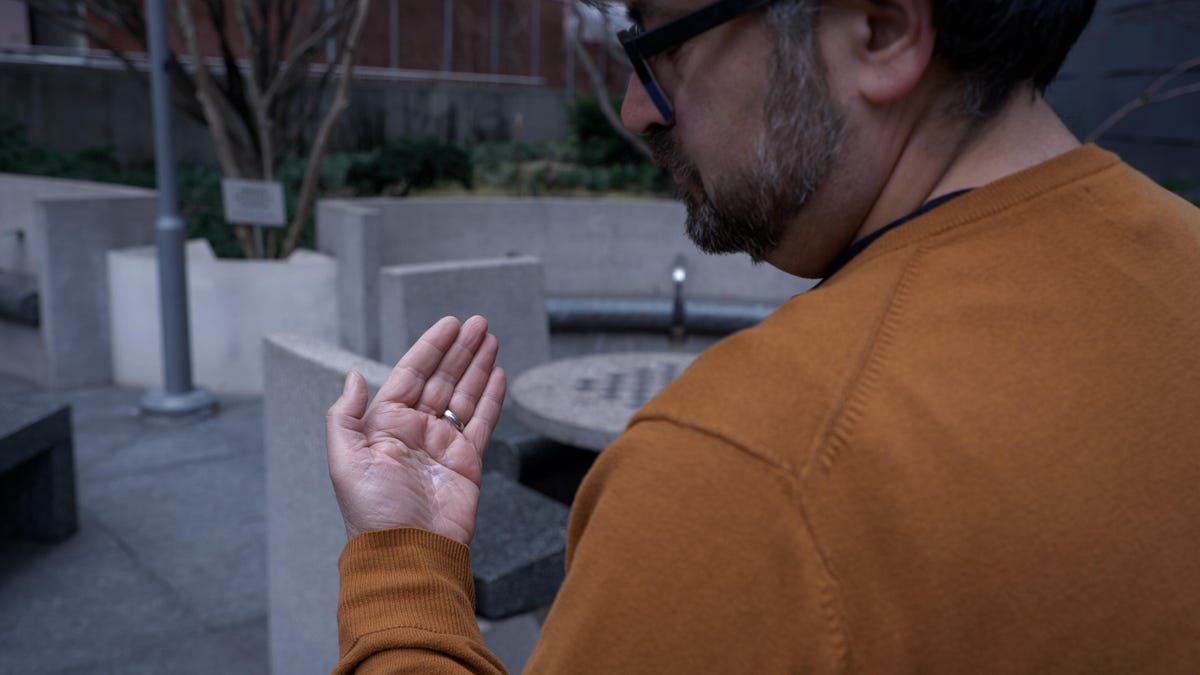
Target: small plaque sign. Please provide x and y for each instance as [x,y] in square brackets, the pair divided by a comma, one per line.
[253,202]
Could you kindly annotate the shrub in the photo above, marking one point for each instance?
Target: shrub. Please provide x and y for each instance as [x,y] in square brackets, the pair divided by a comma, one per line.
[20,155]
[598,143]
[407,163]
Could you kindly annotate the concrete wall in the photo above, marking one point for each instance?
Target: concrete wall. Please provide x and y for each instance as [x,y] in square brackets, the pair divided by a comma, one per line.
[305,534]
[1126,47]
[508,291]
[59,231]
[232,305]
[624,247]
[46,100]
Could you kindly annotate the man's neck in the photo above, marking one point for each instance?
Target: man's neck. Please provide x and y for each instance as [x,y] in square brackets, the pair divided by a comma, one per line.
[942,158]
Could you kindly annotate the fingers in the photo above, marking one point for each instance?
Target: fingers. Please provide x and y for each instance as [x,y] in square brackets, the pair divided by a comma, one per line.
[487,411]
[406,383]
[343,421]
[473,382]
[441,385]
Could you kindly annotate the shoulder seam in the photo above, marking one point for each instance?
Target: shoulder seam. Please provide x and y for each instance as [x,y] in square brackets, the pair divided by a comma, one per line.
[830,445]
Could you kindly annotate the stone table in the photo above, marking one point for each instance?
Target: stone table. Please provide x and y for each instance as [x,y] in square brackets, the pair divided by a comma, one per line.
[587,401]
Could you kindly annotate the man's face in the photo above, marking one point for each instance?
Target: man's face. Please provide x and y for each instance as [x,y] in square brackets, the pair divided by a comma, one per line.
[741,201]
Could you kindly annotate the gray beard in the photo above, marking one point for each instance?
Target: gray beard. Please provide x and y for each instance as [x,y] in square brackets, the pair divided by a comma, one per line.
[802,132]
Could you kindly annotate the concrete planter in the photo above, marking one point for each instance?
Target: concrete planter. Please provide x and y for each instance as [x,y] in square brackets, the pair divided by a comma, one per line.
[233,304]
[587,247]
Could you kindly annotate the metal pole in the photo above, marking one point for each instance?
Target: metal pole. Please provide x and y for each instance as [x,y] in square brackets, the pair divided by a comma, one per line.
[535,39]
[447,34]
[494,44]
[331,41]
[178,396]
[604,51]
[394,33]
[570,45]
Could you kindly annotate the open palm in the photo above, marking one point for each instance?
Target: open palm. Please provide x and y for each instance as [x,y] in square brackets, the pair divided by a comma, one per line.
[399,462]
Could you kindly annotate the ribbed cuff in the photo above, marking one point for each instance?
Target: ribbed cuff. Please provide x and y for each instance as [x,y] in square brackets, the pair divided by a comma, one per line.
[404,577]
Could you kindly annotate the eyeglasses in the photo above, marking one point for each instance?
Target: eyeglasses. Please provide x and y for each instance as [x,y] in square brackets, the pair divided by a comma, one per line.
[642,47]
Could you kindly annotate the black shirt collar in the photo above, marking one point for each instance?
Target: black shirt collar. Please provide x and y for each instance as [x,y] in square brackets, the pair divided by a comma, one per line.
[862,244]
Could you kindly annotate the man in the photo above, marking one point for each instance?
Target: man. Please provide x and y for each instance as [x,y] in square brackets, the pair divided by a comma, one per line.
[974,448]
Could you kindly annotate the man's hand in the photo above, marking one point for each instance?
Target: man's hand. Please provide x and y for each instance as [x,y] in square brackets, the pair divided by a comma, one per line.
[399,463]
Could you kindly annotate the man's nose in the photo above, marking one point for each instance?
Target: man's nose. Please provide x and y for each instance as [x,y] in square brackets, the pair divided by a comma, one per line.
[638,112]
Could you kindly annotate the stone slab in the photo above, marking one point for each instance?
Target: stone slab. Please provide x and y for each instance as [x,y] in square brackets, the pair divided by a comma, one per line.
[240,650]
[151,442]
[85,600]
[517,555]
[37,470]
[198,527]
[587,401]
[507,291]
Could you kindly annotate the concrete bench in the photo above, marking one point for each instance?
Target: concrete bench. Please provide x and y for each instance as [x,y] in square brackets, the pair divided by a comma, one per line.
[19,298]
[517,555]
[55,235]
[37,470]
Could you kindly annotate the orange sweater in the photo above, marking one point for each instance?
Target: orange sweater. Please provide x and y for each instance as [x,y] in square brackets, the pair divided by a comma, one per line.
[975,449]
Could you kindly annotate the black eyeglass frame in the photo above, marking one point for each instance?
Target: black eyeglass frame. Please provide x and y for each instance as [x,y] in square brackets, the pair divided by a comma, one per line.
[641,47]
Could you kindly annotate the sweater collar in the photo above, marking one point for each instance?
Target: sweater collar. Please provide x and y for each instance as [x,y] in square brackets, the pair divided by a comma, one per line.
[968,206]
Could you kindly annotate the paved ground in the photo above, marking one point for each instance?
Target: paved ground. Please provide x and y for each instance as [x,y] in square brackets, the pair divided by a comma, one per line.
[167,573]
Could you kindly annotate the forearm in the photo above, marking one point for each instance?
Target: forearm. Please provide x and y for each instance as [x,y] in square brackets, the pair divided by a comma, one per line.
[407,605]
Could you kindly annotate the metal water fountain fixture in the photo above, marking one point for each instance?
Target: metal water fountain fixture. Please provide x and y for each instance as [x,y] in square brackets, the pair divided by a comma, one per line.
[678,328]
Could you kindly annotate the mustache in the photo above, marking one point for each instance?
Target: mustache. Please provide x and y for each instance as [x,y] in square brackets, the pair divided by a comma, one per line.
[668,155]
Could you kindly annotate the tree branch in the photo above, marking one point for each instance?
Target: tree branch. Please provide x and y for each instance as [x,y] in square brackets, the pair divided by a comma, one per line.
[600,89]
[258,103]
[1150,96]
[296,64]
[206,93]
[340,102]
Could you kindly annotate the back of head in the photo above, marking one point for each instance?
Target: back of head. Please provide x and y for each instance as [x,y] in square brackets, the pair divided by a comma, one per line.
[996,45]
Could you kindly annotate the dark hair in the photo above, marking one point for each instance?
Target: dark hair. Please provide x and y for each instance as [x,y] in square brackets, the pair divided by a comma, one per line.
[997,44]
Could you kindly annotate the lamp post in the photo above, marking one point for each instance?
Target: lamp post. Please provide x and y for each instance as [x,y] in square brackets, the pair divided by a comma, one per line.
[178,396]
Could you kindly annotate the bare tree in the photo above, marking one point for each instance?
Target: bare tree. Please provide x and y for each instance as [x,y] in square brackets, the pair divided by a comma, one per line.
[600,86]
[1155,93]
[1172,84]
[261,97]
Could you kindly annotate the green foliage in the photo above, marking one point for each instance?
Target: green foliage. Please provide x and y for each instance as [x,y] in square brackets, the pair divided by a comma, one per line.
[598,143]
[594,160]
[201,208]
[406,163]
[20,155]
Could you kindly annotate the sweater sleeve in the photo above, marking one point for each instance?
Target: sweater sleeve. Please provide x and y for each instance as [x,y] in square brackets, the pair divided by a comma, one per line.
[685,554]
[689,555]
[407,606]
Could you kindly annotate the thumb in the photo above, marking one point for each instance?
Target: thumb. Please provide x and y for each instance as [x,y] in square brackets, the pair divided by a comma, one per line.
[343,421]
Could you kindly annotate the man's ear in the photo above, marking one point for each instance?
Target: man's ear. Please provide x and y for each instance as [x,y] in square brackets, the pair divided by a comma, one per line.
[885,46]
